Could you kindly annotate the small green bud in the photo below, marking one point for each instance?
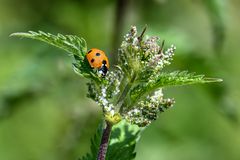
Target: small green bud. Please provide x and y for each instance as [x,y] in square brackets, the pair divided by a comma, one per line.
[113,119]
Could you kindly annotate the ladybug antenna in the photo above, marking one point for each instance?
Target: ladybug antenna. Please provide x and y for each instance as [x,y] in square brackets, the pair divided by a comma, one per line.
[161,48]
[141,35]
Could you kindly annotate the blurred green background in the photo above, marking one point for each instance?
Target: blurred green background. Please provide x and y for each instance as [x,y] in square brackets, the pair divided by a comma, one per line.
[44,112]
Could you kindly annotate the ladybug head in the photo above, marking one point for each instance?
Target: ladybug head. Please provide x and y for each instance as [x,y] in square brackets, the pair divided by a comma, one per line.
[103,70]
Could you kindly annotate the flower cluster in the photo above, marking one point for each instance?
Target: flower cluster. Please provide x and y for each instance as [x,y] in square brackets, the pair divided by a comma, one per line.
[105,93]
[147,110]
[122,91]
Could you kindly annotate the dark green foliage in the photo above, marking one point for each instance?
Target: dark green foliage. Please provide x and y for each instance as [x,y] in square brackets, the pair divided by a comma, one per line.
[122,143]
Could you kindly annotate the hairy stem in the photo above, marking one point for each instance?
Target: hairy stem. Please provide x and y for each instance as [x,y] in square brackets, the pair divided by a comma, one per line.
[104,142]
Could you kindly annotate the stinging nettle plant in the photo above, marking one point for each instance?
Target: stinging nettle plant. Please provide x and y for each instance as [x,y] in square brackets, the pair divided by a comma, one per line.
[131,92]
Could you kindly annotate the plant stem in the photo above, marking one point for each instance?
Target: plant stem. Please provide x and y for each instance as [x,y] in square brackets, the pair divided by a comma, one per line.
[104,142]
[120,14]
[125,91]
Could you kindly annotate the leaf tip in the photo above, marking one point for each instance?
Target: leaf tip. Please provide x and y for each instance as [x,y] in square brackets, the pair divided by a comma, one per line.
[208,80]
[13,34]
[19,34]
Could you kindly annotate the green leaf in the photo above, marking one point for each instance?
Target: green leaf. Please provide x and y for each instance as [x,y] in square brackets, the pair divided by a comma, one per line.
[180,78]
[165,79]
[122,142]
[74,45]
[83,68]
[70,43]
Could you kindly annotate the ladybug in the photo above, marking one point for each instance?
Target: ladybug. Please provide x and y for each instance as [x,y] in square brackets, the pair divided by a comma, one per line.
[97,59]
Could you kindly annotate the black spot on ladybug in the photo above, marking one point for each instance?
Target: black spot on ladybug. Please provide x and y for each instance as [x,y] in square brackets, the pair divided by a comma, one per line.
[97,54]
[104,62]
[92,60]
[89,51]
